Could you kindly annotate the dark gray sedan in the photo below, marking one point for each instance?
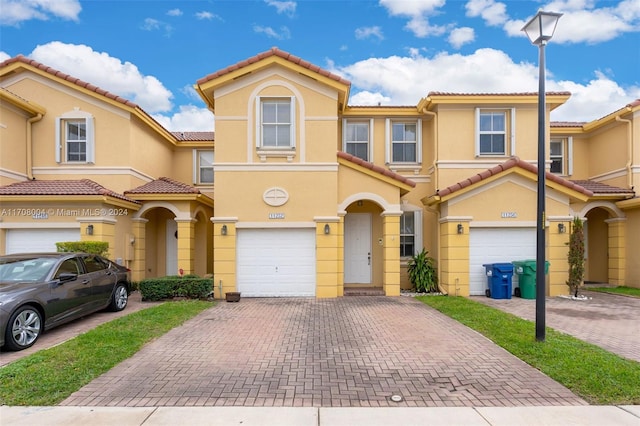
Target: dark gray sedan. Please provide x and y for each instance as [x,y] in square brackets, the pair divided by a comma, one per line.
[39,291]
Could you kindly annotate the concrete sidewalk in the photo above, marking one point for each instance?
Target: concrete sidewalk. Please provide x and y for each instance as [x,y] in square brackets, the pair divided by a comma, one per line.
[320,416]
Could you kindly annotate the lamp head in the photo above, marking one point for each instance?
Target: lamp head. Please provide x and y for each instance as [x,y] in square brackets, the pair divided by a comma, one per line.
[541,27]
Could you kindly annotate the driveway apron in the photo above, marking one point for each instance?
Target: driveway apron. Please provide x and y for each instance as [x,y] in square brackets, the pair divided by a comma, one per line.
[345,352]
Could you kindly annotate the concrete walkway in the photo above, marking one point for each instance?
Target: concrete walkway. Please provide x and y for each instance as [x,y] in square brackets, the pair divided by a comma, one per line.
[313,416]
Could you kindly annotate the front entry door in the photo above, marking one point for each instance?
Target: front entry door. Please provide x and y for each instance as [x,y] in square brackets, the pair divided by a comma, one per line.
[357,248]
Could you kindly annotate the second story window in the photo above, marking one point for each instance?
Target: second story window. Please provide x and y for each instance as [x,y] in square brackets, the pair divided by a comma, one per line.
[356,139]
[75,137]
[560,155]
[492,133]
[404,143]
[276,123]
[203,167]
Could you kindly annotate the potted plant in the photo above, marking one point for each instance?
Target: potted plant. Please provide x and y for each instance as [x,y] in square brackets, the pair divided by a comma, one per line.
[422,273]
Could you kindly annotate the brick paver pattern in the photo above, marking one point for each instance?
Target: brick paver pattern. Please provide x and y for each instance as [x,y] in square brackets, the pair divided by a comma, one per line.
[345,352]
[606,320]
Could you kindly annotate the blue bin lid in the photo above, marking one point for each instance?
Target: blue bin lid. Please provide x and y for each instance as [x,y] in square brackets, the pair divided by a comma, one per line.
[503,267]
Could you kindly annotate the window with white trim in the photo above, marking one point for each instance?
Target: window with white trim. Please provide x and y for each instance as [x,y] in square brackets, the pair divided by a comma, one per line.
[75,138]
[560,151]
[203,167]
[357,136]
[276,118]
[404,140]
[492,133]
[410,233]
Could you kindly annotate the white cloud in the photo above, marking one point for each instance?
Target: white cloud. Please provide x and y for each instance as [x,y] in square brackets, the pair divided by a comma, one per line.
[283,7]
[106,72]
[461,36]
[188,118]
[284,33]
[4,56]
[174,12]
[369,32]
[204,15]
[15,12]
[151,24]
[418,12]
[400,80]
[494,13]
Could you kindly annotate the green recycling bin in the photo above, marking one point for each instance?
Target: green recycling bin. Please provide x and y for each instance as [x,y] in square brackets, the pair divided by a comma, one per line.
[526,272]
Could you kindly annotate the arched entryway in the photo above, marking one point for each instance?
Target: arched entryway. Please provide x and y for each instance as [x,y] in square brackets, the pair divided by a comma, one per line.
[604,243]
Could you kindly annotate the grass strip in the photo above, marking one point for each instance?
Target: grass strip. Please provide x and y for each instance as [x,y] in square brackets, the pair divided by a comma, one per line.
[598,376]
[49,376]
[627,291]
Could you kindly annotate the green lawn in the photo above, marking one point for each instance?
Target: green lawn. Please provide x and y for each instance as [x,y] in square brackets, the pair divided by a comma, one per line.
[594,374]
[49,376]
[627,291]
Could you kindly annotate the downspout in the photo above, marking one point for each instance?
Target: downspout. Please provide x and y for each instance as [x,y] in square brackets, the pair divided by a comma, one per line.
[30,121]
[629,150]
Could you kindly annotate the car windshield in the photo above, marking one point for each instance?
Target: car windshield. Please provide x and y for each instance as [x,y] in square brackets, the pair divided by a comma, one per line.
[32,269]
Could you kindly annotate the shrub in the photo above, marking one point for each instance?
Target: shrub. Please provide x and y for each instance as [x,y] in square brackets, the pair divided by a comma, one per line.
[576,256]
[99,248]
[189,286]
[422,273]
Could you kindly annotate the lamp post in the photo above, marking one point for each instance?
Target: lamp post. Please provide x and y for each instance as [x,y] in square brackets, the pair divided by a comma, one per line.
[540,29]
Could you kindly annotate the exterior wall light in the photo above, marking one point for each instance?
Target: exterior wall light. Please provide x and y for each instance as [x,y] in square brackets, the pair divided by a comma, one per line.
[327,229]
[89,229]
[460,229]
[223,230]
[561,228]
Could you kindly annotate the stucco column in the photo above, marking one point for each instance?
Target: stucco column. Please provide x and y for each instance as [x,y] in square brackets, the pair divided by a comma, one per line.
[391,253]
[454,256]
[186,244]
[617,248]
[224,256]
[340,227]
[139,265]
[327,256]
[558,234]
[104,229]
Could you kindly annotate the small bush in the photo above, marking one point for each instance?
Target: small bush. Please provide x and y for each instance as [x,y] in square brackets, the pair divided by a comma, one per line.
[99,248]
[189,286]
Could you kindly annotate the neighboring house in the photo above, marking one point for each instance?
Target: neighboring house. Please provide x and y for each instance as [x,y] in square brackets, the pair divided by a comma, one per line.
[312,195]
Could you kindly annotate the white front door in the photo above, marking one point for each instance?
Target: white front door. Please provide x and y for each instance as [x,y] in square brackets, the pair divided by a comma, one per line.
[357,248]
[172,248]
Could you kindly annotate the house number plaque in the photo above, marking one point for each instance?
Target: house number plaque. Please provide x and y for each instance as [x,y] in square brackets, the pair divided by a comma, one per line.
[276,215]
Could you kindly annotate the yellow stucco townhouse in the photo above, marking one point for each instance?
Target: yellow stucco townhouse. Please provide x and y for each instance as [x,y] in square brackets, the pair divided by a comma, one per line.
[314,197]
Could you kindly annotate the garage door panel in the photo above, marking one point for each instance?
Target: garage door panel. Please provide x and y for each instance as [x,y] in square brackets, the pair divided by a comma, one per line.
[38,240]
[497,245]
[276,262]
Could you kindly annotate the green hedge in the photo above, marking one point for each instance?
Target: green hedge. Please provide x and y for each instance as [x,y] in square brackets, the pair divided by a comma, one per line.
[99,248]
[189,286]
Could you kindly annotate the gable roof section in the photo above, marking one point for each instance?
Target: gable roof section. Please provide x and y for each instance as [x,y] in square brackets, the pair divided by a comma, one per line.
[377,172]
[164,185]
[194,136]
[66,188]
[553,99]
[20,62]
[512,165]
[601,190]
[207,84]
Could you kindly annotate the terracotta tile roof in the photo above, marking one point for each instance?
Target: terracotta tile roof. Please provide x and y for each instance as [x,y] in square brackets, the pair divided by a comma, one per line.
[164,185]
[498,94]
[376,169]
[194,136]
[567,123]
[599,188]
[513,162]
[274,51]
[60,187]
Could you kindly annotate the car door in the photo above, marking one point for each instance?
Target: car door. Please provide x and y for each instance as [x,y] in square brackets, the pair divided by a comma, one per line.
[70,292]
[103,280]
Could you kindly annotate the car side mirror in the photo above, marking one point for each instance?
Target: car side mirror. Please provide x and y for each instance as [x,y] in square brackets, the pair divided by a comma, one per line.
[67,276]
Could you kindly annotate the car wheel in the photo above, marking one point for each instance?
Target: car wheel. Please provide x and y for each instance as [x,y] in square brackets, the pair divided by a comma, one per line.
[119,298]
[24,328]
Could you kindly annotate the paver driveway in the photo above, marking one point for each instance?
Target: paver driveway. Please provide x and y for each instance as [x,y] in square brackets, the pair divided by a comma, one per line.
[350,351]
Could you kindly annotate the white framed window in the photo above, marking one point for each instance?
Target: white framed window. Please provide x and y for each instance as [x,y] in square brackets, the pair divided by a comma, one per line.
[403,141]
[203,167]
[560,154]
[357,138]
[410,233]
[495,132]
[75,138]
[276,123]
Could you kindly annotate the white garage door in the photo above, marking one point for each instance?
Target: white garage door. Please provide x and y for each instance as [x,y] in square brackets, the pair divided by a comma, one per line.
[497,245]
[276,262]
[38,240]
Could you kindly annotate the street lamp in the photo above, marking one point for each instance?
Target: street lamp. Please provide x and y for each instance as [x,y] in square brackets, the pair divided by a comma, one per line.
[540,29]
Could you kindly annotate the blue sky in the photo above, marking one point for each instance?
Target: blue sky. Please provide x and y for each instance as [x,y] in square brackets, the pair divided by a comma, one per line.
[394,52]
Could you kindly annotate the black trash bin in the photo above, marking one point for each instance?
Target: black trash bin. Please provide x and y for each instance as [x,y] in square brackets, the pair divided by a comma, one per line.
[499,280]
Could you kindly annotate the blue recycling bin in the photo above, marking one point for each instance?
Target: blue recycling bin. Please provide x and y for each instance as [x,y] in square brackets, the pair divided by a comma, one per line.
[499,280]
